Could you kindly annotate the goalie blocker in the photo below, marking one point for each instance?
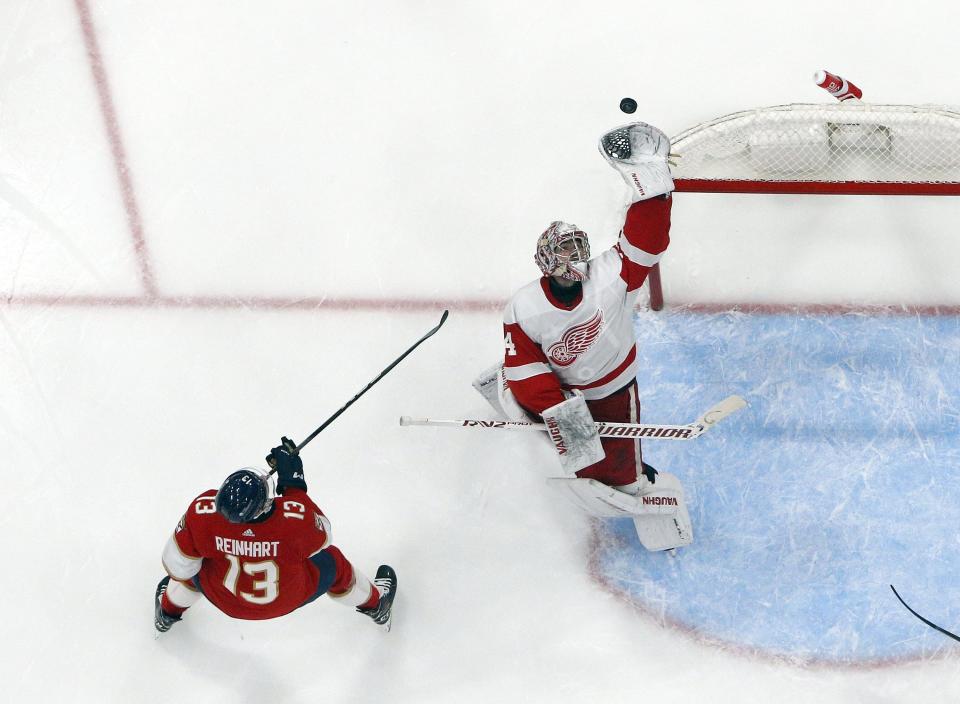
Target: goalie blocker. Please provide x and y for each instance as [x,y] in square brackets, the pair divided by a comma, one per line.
[573,433]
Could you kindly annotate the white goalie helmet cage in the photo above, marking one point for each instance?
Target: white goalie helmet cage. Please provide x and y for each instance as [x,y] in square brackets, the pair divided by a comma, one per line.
[563,250]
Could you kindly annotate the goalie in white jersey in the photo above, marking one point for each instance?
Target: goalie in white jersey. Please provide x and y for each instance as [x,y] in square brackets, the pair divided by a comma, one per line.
[570,353]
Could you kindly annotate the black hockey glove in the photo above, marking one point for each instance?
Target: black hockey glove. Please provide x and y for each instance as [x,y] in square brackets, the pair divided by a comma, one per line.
[289,466]
[650,473]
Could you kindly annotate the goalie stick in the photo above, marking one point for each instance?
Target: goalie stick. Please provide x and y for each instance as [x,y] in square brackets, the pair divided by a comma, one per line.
[929,623]
[689,431]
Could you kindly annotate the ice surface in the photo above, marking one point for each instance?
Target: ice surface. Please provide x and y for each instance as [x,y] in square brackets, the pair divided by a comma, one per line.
[298,171]
[835,482]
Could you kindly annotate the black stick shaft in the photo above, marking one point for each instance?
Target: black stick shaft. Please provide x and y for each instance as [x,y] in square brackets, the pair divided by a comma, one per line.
[929,623]
[328,421]
[382,374]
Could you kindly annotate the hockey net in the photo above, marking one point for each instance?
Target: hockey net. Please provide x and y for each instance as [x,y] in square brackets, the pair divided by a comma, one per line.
[844,148]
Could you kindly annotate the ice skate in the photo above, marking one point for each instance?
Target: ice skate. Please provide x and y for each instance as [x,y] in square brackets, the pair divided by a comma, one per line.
[163,621]
[386,584]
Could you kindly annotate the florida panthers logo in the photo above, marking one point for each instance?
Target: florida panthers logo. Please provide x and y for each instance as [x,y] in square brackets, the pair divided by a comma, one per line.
[576,341]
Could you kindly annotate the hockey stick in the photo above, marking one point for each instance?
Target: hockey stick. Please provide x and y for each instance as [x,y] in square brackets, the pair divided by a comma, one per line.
[689,431]
[295,449]
[929,623]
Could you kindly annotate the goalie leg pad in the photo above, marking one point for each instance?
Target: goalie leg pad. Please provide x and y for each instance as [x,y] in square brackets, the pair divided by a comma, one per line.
[604,501]
[595,498]
[571,428]
[664,532]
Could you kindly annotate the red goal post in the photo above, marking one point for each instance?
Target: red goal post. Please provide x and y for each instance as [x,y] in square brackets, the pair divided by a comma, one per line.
[846,148]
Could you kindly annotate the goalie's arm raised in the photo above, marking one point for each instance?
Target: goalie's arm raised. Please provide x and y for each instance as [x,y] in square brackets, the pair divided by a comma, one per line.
[643,239]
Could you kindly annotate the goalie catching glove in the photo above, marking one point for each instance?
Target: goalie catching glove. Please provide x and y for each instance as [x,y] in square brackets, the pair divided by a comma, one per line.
[639,152]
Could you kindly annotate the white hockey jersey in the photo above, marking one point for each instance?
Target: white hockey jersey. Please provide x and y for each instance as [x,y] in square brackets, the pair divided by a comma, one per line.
[590,344]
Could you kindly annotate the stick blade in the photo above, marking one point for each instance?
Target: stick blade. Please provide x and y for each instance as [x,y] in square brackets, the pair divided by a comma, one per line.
[731,404]
[932,625]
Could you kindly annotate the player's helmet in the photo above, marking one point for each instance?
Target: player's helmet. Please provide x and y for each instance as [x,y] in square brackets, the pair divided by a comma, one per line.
[563,250]
[244,495]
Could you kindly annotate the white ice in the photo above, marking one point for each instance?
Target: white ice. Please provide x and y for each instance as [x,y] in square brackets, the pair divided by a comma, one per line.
[382,152]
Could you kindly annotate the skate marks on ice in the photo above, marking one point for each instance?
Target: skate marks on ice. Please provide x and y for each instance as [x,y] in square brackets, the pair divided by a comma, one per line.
[842,477]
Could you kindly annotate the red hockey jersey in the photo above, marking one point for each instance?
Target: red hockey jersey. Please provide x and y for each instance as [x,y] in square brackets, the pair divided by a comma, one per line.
[251,570]
[589,345]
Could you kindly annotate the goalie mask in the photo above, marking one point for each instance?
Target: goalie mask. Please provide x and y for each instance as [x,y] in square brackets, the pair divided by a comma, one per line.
[563,250]
[245,495]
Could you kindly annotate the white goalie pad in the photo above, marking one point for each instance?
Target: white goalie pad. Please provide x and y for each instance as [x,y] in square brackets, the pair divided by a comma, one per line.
[659,511]
[664,531]
[492,385]
[639,153]
[604,501]
[573,433]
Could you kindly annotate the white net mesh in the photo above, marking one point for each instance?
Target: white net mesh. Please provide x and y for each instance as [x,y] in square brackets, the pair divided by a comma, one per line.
[824,143]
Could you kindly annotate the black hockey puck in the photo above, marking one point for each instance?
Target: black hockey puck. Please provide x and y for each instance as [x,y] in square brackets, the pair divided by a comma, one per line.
[628,105]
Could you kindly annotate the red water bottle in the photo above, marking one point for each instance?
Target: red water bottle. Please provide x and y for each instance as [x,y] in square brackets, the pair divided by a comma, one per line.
[839,88]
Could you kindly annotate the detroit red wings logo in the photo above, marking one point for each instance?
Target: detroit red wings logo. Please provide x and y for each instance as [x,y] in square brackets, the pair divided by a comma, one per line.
[576,341]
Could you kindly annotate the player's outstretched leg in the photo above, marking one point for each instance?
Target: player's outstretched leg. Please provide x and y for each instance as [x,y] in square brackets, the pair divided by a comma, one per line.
[162,621]
[386,584]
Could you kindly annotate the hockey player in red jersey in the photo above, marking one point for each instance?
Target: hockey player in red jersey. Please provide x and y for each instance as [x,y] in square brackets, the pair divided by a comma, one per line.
[570,353]
[259,552]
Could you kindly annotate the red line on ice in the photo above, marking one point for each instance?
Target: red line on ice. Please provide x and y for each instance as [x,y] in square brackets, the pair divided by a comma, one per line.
[325,303]
[112,125]
[319,303]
